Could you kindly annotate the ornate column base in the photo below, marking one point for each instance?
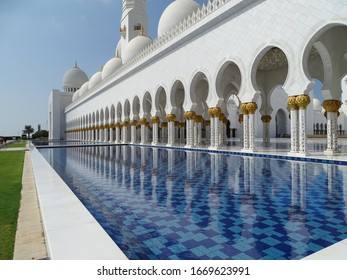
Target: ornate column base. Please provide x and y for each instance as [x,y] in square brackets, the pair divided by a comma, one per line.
[254,150]
[298,154]
[332,152]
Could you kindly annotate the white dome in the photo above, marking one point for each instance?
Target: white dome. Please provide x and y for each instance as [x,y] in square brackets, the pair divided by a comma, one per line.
[75,95]
[316,104]
[111,66]
[84,89]
[135,46]
[95,79]
[119,49]
[74,78]
[175,13]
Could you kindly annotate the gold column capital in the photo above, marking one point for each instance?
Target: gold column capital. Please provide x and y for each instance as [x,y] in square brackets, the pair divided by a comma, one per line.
[133,122]
[182,124]
[331,105]
[214,112]
[207,122]
[198,119]
[125,124]
[189,115]
[266,118]
[302,101]
[164,124]
[143,121]
[291,102]
[251,108]
[155,119]
[244,108]
[171,117]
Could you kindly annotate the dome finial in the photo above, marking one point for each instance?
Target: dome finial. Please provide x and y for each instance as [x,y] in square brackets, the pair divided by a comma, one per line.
[76,64]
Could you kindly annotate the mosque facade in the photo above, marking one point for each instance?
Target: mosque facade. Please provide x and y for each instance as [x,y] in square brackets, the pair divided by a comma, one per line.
[229,68]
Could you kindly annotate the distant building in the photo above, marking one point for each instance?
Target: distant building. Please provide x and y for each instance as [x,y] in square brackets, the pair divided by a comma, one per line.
[58,100]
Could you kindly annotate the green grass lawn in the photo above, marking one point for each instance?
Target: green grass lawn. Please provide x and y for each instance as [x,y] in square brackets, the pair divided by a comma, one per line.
[18,144]
[11,169]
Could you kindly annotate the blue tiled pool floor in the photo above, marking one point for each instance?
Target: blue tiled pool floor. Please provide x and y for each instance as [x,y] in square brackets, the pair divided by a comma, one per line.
[170,204]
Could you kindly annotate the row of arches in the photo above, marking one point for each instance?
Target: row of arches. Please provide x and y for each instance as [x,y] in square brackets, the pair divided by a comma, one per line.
[183,113]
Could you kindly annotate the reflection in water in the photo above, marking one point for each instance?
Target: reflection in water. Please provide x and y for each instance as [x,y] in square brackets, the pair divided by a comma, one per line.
[169,204]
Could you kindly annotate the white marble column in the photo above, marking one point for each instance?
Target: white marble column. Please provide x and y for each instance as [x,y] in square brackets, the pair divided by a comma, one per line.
[182,127]
[190,115]
[106,130]
[294,124]
[332,110]
[133,137]
[164,133]
[241,129]
[207,130]
[101,133]
[171,129]
[245,132]
[177,128]
[198,121]
[302,101]
[252,107]
[125,132]
[266,130]
[214,114]
[222,129]
[248,110]
[118,128]
[155,130]
[111,132]
[143,130]
[97,129]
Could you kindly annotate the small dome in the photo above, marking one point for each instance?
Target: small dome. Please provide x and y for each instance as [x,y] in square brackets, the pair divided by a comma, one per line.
[95,79]
[175,13]
[111,66]
[83,89]
[119,49]
[75,95]
[74,78]
[316,104]
[135,46]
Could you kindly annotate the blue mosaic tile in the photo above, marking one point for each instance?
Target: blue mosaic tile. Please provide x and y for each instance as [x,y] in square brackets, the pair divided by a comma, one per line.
[185,207]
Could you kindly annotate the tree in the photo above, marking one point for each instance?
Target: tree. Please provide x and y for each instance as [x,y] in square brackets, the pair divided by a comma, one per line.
[40,134]
[28,130]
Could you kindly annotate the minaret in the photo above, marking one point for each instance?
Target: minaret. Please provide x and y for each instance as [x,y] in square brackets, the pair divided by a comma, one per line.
[134,19]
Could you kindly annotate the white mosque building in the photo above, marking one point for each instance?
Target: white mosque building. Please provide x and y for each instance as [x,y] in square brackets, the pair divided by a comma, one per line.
[230,68]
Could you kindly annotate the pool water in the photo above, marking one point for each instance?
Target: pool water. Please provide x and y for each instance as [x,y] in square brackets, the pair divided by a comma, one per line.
[177,204]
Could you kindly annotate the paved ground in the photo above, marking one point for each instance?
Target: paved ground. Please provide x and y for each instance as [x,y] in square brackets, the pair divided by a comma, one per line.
[30,241]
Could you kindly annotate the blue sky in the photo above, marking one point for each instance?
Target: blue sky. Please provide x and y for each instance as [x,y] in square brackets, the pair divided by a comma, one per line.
[41,39]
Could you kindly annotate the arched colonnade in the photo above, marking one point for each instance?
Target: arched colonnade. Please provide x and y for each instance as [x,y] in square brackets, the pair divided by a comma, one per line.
[197,112]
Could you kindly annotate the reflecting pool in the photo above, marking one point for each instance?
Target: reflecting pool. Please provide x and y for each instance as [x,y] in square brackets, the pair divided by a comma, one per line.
[177,204]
